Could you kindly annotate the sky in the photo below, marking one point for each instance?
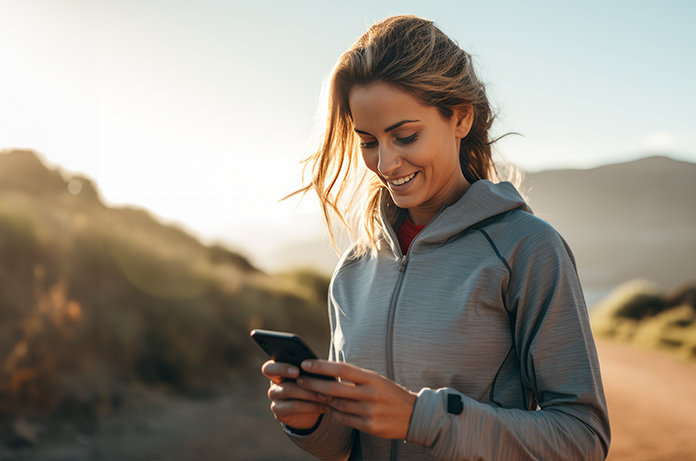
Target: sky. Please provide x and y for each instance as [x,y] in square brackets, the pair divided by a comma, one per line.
[201,111]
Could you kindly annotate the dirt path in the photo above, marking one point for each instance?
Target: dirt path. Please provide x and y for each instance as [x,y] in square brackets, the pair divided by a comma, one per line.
[652,404]
[651,398]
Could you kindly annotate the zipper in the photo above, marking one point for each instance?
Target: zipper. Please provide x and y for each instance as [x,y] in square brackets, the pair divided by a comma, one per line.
[394,452]
[390,317]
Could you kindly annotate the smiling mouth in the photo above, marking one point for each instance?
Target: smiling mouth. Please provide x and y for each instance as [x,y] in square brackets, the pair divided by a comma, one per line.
[401,181]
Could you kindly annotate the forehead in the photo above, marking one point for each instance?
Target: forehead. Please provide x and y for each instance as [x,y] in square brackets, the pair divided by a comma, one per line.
[377,106]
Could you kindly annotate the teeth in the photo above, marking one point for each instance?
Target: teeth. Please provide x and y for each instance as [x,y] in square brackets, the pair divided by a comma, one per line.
[404,180]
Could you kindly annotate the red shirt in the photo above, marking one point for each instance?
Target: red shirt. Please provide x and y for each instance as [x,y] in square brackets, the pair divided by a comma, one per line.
[407,232]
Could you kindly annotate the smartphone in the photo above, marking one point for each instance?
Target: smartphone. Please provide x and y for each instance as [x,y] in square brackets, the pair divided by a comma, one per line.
[286,347]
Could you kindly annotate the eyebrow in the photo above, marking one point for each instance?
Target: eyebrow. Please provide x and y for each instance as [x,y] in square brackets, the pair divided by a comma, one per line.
[393,127]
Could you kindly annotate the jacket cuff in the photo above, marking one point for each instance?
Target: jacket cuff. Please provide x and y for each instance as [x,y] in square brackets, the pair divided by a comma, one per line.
[427,419]
[438,413]
[328,439]
[295,431]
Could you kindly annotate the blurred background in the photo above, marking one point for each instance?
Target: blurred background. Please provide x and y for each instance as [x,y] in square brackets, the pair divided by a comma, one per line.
[144,150]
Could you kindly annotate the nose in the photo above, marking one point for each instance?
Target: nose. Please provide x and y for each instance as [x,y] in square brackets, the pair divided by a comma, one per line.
[389,160]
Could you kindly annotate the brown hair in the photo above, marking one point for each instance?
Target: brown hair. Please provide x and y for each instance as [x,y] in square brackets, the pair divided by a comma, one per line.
[415,56]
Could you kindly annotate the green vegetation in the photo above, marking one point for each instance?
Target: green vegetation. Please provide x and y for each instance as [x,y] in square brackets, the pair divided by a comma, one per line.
[95,300]
[639,314]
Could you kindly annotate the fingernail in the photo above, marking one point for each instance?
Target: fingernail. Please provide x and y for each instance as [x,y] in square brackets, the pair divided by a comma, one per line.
[292,371]
[307,365]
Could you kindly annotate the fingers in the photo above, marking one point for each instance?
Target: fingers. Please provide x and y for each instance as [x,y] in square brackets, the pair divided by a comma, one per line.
[358,422]
[370,402]
[352,407]
[353,386]
[291,391]
[279,371]
[342,370]
[291,404]
[331,389]
[388,418]
[286,408]
[346,398]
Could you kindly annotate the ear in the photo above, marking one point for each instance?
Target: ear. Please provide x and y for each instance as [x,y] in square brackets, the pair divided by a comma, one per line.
[463,117]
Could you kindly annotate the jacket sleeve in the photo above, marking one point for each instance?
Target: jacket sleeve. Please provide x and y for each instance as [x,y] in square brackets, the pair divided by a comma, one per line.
[558,361]
[331,440]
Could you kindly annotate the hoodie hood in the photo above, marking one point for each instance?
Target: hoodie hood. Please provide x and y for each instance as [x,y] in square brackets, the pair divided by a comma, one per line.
[482,200]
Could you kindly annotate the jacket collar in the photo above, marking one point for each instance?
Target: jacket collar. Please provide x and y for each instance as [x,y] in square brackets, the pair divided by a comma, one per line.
[482,200]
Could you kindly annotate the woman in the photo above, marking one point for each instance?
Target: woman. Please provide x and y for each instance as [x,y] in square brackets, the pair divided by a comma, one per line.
[457,310]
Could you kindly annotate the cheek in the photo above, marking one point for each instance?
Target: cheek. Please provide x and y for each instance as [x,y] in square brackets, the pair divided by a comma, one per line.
[370,160]
[448,152]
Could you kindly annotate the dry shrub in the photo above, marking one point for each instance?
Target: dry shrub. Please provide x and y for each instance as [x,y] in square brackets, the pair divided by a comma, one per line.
[638,313]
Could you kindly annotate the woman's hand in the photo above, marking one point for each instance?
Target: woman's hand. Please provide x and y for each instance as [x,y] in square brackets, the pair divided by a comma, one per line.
[291,404]
[369,402]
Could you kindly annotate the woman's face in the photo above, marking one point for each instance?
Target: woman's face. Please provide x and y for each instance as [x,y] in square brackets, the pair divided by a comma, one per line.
[411,147]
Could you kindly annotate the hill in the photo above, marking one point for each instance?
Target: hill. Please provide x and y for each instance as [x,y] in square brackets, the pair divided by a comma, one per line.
[97,300]
[623,221]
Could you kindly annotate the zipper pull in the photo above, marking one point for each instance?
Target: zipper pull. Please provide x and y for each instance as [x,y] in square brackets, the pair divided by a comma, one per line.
[404,260]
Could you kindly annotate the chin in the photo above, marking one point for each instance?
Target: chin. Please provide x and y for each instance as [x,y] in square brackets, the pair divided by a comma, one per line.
[403,202]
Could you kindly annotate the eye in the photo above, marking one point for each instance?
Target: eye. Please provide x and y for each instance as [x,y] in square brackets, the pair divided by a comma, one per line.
[367,145]
[409,139]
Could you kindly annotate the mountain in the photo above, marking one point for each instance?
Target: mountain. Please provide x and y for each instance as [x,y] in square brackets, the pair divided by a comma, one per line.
[623,221]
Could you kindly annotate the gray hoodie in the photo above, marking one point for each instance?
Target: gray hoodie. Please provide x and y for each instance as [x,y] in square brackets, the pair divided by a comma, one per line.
[483,314]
